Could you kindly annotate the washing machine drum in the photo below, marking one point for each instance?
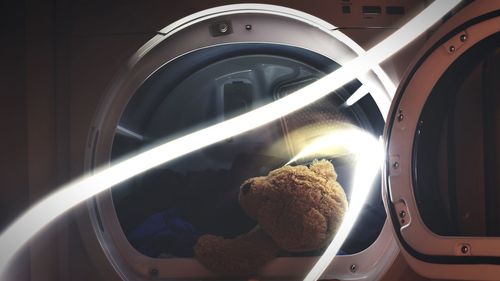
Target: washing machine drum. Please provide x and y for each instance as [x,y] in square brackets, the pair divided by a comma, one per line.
[201,189]
[443,156]
[206,69]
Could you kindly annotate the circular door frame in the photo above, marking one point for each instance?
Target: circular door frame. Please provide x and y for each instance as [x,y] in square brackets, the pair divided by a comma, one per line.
[180,38]
[429,254]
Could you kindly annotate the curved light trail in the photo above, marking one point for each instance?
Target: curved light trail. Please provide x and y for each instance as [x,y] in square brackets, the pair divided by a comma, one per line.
[29,223]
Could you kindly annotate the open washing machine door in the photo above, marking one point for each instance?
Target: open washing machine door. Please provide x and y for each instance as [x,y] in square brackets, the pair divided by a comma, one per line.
[442,183]
[204,69]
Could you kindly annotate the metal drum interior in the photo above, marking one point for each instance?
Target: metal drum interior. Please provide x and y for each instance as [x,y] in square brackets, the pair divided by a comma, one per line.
[198,193]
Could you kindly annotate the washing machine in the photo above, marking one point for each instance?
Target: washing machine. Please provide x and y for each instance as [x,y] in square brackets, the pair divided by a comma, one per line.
[219,63]
[433,209]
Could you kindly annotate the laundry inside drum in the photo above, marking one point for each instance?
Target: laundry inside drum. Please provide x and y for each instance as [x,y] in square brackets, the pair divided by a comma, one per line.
[164,211]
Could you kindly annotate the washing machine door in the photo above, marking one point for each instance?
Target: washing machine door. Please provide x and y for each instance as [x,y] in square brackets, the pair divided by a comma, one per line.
[200,71]
[442,183]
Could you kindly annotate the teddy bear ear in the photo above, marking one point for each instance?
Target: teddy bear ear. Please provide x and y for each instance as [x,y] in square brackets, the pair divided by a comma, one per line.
[324,168]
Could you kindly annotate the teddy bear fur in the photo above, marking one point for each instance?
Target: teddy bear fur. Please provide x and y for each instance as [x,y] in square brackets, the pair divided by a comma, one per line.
[297,208]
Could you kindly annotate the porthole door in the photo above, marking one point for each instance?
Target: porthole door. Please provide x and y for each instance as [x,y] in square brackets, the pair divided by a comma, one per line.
[442,182]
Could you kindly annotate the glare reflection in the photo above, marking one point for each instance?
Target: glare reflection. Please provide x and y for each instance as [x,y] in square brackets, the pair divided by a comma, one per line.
[369,156]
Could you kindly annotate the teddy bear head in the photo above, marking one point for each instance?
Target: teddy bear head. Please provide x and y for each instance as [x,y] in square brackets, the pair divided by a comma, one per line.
[300,207]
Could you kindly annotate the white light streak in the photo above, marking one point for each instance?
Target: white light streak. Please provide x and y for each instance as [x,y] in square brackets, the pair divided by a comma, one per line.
[368,165]
[356,96]
[28,224]
[369,158]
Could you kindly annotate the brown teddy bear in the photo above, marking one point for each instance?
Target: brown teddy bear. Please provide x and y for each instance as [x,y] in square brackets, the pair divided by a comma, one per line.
[297,209]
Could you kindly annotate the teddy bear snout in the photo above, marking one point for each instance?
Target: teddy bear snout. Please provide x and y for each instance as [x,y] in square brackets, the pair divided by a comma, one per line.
[245,188]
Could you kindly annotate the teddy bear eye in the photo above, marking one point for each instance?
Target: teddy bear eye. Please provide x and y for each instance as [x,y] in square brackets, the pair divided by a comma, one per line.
[246,188]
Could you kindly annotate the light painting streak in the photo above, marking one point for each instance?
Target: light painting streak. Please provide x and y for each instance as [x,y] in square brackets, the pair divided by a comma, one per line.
[369,158]
[28,224]
[356,96]
[368,165]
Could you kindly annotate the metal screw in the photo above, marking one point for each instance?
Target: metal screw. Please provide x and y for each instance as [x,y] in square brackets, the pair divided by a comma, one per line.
[223,27]
[400,115]
[154,272]
[464,249]
[463,37]
[452,49]
[353,268]
[402,214]
[395,165]
[248,27]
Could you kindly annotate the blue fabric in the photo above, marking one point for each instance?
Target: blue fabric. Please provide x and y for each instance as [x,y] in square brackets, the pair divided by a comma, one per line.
[164,233]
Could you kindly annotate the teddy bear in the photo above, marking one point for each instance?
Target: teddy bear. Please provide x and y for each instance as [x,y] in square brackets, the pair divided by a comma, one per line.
[297,209]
